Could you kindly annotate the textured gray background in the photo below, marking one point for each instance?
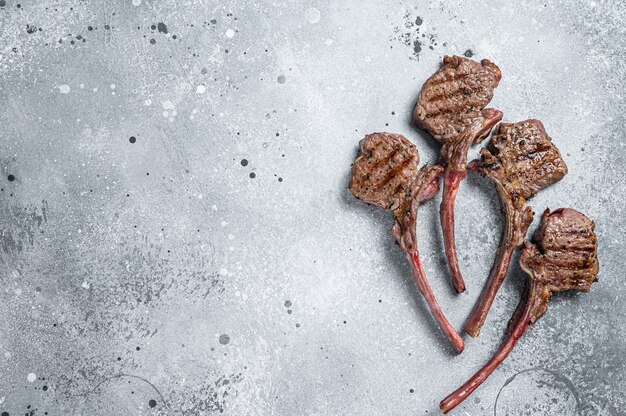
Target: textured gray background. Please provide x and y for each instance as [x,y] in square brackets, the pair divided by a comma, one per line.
[160,270]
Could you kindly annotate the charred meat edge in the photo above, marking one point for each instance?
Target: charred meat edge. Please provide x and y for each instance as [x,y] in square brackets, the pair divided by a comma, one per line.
[561,257]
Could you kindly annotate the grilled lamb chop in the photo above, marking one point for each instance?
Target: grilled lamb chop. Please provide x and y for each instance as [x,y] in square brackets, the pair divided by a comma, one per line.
[385,174]
[451,107]
[562,256]
[520,160]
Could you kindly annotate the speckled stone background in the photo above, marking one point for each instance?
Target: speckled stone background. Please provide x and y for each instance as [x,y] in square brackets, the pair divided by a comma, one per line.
[177,237]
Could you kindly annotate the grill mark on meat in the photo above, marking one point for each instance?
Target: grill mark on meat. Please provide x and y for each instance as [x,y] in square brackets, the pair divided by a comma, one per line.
[460,91]
[446,110]
[382,174]
[458,74]
[516,181]
[394,172]
[545,276]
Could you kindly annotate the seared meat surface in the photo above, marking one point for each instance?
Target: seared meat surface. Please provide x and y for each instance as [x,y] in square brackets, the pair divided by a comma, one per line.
[385,170]
[385,174]
[455,96]
[561,256]
[451,106]
[520,160]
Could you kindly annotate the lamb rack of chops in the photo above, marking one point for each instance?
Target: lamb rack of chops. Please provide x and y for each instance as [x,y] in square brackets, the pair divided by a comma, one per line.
[562,256]
[451,106]
[520,160]
[386,174]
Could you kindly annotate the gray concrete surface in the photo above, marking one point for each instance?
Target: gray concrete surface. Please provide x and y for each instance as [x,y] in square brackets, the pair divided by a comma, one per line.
[169,276]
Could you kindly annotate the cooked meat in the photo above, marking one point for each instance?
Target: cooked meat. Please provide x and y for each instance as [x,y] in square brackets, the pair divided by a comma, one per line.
[451,107]
[520,160]
[453,157]
[385,174]
[562,256]
[455,96]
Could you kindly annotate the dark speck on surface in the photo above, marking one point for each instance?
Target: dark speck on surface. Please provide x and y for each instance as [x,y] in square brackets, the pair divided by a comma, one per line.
[419,21]
[281,79]
[152,41]
[417,47]
[288,304]
[244,162]
[132,139]
[152,403]
[224,339]
[2,4]
[162,27]
[252,175]
[11,178]
[468,53]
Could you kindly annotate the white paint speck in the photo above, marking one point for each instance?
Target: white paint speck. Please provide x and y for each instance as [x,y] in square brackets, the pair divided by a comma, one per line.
[200,89]
[95,89]
[224,272]
[168,105]
[64,89]
[148,102]
[31,377]
[328,42]
[231,237]
[166,114]
[82,86]
[214,207]
[368,59]
[85,285]
[7,354]
[230,33]
[136,3]
[312,15]
[112,86]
